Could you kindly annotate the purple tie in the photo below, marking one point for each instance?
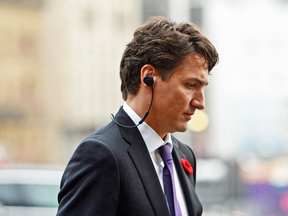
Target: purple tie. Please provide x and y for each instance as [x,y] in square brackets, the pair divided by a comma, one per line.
[168,181]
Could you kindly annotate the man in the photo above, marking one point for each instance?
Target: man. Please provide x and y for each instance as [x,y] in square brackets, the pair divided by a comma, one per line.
[119,169]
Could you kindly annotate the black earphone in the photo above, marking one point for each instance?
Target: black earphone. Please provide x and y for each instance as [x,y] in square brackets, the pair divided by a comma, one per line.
[149,81]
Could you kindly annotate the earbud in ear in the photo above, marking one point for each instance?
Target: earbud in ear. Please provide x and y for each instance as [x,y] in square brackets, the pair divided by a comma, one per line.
[149,81]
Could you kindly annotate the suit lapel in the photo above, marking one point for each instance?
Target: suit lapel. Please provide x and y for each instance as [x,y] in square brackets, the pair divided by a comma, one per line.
[187,182]
[142,161]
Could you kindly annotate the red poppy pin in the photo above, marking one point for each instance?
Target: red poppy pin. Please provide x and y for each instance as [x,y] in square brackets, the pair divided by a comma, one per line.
[187,166]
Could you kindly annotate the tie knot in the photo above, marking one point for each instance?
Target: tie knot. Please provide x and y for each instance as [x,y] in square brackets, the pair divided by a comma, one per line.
[165,153]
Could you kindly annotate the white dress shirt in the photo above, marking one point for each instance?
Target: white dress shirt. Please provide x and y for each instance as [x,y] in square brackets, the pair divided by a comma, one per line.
[153,141]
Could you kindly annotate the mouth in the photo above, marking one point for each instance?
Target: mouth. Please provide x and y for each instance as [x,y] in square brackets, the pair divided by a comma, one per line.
[188,115]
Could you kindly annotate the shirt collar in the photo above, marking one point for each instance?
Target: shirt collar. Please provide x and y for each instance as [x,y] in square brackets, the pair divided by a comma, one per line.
[152,140]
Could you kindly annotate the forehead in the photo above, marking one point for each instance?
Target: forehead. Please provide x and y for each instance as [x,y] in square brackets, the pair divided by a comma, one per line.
[194,66]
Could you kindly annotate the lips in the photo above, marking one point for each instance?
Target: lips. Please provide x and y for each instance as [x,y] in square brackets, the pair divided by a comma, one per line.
[188,115]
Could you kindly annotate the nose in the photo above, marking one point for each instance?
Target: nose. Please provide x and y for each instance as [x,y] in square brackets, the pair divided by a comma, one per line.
[198,100]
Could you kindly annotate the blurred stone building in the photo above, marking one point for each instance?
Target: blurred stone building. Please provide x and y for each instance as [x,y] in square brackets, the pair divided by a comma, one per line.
[59,71]
[83,44]
[22,123]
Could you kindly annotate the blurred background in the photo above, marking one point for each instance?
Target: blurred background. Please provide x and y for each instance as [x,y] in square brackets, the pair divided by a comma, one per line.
[59,82]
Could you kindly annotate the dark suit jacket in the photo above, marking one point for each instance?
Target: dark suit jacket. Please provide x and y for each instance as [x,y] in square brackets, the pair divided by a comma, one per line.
[111,173]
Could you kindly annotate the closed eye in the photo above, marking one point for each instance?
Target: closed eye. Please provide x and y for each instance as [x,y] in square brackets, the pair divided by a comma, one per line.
[191,85]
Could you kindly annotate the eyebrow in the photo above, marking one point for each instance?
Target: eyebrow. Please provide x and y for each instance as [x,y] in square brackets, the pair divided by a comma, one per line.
[202,82]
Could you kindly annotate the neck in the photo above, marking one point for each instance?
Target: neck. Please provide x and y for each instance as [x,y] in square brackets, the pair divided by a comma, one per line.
[140,105]
[156,125]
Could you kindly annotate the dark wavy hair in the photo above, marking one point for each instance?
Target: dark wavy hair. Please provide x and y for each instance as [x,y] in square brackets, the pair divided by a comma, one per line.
[165,45]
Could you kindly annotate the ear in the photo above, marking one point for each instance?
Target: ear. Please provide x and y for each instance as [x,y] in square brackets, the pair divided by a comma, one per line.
[147,70]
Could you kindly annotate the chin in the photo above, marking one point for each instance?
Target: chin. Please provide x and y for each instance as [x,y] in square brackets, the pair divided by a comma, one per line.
[181,128]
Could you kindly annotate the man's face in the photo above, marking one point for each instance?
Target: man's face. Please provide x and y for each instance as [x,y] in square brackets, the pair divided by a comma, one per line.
[176,100]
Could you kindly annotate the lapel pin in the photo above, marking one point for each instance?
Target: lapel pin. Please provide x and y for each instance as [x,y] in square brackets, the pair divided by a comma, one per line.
[187,166]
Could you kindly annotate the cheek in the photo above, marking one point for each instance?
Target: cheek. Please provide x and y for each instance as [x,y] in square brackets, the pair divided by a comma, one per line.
[178,103]
[182,97]
[171,101]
